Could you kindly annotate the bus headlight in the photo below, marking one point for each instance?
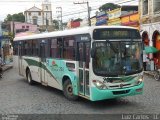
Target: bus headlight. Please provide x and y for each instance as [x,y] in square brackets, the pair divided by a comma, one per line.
[139,80]
[100,85]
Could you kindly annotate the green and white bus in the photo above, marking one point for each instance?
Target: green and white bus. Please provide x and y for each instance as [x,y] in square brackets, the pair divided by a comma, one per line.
[97,63]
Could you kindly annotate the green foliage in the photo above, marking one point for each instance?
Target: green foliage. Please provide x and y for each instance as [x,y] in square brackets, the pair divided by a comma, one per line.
[56,24]
[78,20]
[15,17]
[109,6]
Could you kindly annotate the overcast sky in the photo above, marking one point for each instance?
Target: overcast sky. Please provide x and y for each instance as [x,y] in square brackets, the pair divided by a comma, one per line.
[68,8]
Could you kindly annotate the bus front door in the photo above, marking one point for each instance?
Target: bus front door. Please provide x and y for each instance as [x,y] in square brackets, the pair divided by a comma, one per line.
[83,70]
[20,59]
[43,63]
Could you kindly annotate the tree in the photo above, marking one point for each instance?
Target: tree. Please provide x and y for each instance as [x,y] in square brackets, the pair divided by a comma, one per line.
[56,24]
[78,20]
[15,17]
[109,6]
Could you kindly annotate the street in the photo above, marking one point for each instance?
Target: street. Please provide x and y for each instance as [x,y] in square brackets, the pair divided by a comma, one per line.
[18,97]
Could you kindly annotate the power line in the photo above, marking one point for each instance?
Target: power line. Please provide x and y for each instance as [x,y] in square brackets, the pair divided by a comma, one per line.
[94,9]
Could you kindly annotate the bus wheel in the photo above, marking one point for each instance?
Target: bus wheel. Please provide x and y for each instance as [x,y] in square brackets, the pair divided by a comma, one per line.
[29,77]
[68,90]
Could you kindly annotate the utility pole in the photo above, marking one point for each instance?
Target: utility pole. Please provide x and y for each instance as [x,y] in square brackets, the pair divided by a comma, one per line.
[46,23]
[88,9]
[13,27]
[60,11]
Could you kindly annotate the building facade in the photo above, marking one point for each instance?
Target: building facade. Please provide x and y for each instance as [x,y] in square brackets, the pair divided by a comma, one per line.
[150,24]
[93,21]
[41,17]
[101,18]
[131,20]
[5,46]
[119,16]
[19,27]
[114,17]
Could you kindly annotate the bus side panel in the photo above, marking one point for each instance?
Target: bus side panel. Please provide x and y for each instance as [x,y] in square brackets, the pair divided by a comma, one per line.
[52,82]
[71,73]
[52,74]
[33,64]
[57,70]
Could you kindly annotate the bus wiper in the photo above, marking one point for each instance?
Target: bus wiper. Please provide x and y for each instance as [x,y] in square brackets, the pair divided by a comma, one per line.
[112,47]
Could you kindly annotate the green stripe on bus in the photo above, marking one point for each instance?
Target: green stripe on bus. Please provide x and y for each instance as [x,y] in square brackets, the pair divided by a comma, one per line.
[39,64]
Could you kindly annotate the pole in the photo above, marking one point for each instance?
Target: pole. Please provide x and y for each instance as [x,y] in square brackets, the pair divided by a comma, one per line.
[89,21]
[88,10]
[46,23]
[60,11]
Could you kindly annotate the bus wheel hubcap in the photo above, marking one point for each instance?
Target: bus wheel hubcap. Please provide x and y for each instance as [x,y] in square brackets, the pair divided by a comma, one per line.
[69,89]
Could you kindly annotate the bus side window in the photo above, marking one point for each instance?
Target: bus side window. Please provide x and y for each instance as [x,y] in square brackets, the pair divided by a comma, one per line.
[59,48]
[35,48]
[25,47]
[69,48]
[15,48]
[53,48]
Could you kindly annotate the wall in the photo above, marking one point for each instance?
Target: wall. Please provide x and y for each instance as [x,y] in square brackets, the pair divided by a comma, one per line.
[18,26]
[150,24]
[29,18]
[93,21]
[131,20]
[114,17]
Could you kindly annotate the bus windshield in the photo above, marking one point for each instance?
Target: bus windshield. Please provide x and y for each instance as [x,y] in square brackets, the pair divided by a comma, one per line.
[114,58]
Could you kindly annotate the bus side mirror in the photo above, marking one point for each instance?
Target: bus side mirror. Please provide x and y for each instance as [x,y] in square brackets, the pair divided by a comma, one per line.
[93,52]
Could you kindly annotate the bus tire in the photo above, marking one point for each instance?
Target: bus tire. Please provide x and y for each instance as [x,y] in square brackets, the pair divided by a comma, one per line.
[68,90]
[29,78]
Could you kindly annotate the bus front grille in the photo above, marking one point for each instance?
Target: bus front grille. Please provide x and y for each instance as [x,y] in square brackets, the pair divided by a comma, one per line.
[118,86]
[121,92]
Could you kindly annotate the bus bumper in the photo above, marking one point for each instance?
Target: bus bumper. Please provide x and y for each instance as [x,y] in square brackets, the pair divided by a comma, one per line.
[97,94]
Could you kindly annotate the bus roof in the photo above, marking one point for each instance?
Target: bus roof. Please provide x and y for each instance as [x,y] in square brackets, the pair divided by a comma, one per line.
[76,31]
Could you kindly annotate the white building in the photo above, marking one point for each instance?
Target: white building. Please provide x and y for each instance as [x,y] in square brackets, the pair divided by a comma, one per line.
[41,17]
[150,24]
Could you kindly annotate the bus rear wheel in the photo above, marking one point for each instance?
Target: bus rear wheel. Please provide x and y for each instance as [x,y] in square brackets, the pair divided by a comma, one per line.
[29,77]
[68,90]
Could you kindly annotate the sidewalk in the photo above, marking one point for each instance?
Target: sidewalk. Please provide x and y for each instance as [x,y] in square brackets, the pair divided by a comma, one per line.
[150,73]
[7,67]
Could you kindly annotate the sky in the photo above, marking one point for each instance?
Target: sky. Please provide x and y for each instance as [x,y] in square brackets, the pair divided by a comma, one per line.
[68,7]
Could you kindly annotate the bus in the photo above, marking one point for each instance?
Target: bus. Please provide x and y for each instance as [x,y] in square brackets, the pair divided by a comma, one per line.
[96,63]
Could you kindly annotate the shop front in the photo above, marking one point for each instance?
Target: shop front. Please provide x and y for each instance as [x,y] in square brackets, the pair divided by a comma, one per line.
[116,21]
[131,20]
[114,17]
[101,18]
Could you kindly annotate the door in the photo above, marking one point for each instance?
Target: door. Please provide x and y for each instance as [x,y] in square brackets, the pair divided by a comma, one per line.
[20,49]
[83,67]
[42,63]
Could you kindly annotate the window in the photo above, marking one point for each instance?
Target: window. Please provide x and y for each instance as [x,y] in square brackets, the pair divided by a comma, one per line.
[29,50]
[69,48]
[145,7]
[27,26]
[28,47]
[21,48]
[25,47]
[29,13]
[23,27]
[53,50]
[35,49]
[56,48]
[15,48]
[35,21]
[46,7]
[156,6]
[39,13]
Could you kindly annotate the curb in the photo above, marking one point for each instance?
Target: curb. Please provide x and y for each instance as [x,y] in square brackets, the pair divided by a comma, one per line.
[7,68]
